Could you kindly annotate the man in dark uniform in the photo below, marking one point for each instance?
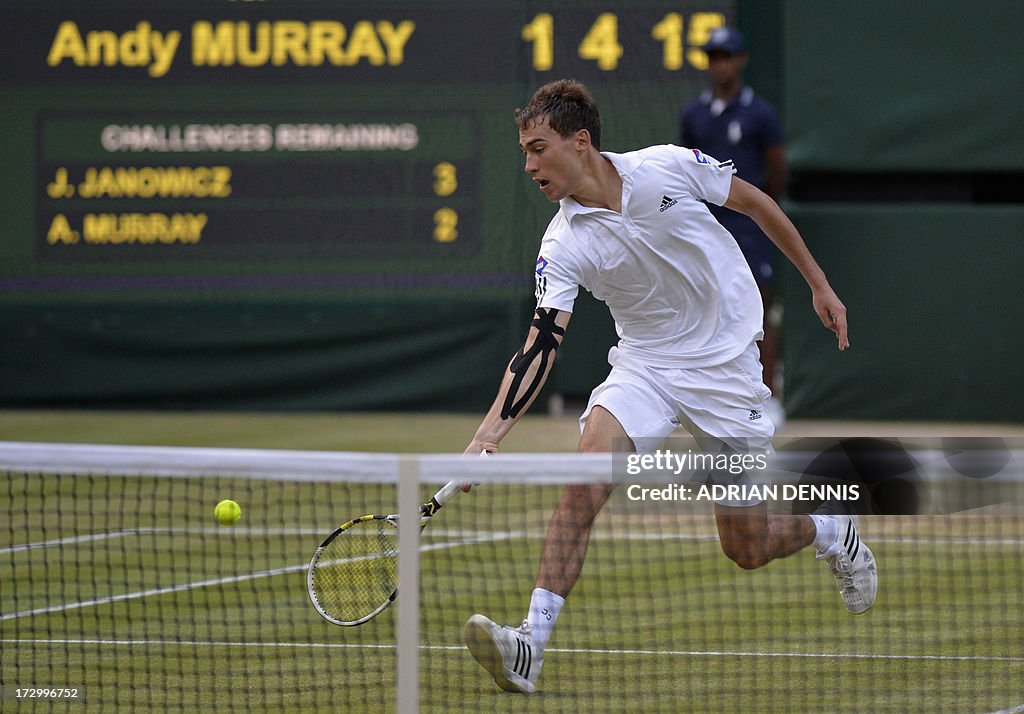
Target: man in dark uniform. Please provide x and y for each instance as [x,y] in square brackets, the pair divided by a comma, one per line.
[729,121]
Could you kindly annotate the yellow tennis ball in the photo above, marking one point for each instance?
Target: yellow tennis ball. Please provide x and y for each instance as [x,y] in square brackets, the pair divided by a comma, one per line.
[228,512]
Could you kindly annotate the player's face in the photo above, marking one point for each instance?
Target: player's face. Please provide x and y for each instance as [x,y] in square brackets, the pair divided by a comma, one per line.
[554,163]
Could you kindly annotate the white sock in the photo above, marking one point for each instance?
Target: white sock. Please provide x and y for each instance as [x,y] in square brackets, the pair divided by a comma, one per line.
[544,608]
[826,532]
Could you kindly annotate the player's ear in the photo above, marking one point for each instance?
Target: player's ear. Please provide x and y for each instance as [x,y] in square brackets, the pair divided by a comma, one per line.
[582,139]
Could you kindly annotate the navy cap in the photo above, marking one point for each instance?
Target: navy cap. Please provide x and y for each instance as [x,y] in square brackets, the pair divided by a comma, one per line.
[726,39]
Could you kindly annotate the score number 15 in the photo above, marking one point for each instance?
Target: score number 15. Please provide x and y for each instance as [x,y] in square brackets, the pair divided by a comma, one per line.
[601,43]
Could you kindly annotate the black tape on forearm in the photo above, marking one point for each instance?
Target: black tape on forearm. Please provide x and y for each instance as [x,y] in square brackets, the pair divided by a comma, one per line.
[543,346]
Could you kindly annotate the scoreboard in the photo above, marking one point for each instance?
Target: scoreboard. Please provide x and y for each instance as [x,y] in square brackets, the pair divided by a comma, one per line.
[270,182]
[293,148]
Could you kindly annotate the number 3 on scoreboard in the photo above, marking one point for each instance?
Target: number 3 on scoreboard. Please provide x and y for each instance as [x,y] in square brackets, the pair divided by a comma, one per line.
[446,180]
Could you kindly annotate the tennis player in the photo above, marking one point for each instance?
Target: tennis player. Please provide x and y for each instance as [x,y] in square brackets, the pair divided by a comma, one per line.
[632,229]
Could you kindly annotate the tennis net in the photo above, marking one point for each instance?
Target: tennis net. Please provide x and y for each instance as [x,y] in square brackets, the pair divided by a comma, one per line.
[120,591]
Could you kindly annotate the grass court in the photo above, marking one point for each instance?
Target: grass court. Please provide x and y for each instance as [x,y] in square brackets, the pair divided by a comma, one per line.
[128,588]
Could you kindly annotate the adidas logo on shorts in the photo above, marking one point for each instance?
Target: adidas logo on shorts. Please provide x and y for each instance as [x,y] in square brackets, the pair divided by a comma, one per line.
[667,203]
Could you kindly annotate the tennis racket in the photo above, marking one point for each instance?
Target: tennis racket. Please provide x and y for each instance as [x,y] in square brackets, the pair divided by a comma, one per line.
[353,575]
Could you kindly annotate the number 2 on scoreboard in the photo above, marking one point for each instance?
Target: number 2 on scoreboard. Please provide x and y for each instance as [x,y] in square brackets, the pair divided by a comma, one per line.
[446,221]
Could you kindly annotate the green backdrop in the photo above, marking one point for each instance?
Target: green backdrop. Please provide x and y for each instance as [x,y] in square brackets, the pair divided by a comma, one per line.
[374,243]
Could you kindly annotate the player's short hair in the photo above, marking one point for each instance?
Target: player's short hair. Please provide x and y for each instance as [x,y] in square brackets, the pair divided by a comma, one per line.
[568,107]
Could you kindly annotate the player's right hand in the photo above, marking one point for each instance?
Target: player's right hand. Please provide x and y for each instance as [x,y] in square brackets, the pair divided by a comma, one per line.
[482,450]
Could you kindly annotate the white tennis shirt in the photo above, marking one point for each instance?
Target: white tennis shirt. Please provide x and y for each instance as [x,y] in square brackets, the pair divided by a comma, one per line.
[674,279]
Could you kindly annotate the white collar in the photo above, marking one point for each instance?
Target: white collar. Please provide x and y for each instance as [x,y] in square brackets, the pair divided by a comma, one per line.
[625,164]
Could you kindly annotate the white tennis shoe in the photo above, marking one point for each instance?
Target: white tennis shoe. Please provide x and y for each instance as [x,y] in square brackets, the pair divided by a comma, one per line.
[853,565]
[508,653]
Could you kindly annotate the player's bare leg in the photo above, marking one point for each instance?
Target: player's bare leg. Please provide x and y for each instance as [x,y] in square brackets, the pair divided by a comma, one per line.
[568,534]
[752,538]
[515,655]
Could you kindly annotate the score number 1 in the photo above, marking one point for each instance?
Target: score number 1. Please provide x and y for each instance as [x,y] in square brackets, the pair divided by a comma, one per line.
[601,43]
[446,220]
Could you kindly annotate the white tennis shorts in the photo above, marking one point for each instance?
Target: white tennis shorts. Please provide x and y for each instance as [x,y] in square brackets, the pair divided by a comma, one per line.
[726,403]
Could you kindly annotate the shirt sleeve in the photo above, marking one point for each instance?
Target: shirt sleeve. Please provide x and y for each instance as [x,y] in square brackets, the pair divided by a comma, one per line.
[555,289]
[708,178]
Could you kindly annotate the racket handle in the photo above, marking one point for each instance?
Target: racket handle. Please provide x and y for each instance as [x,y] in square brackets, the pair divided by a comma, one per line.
[440,498]
[446,492]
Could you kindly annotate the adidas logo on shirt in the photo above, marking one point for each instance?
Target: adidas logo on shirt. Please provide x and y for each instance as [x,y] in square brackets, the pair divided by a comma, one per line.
[667,203]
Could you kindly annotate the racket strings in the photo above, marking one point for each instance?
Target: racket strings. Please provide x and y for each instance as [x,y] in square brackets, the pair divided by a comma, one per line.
[358,571]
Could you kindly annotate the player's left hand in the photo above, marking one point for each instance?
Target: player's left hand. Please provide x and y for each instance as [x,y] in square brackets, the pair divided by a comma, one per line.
[832,313]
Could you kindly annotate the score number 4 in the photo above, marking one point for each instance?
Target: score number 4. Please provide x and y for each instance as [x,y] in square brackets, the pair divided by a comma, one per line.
[601,43]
